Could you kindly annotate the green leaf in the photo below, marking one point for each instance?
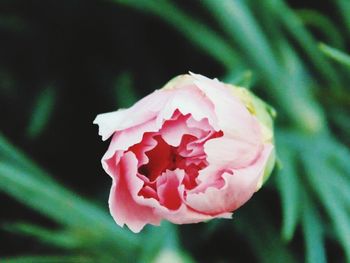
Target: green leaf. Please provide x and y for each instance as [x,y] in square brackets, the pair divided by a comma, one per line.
[338,155]
[27,183]
[340,184]
[288,88]
[313,233]
[51,200]
[42,112]
[244,79]
[302,107]
[335,54]
[344,9]
[49,259]
[124,90]
[10,154]
[288,185]
[64,239]
[59,204]
[295,27]
[237,20]
[323,24]
[317,171]
[341,119]
[161,244]
[170,255]
[255,224]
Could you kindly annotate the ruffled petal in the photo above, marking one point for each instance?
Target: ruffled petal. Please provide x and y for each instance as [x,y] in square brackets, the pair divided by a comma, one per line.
[123,140]
[229,152]
[168,190]
[233,117]
[123,196]
[238,188]
[142,111]
[188,100]
[173,130]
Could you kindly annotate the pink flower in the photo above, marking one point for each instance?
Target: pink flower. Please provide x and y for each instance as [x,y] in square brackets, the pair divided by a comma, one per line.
[195,150]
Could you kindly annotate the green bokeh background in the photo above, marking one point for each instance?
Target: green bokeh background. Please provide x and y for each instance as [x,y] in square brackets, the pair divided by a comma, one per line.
[63,62]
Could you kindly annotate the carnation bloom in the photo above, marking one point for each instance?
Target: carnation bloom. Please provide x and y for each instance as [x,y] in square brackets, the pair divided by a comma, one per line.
[194,150]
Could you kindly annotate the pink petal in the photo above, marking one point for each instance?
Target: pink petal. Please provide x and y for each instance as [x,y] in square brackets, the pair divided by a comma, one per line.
[188,100]
[122,140]
[238,188]
[168,190]
[143,111]
[160,157]
[186,215]
[229,152]
[140,149]
[173,130]
[171,195]
[128,207]
[233,117]
[108,122]
[197,147]
[125,189]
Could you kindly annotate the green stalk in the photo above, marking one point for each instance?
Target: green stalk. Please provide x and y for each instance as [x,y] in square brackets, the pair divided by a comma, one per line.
[287,83]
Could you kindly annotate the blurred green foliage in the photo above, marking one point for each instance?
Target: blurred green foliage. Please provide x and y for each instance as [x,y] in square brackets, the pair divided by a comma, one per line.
[335,54]
[263,44]
[41,112]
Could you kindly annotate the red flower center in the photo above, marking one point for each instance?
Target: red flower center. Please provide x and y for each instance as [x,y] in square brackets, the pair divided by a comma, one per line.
[166,157]
[188,155]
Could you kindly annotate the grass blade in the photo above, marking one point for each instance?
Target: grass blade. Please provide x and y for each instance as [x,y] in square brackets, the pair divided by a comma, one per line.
[236,20]
[344,9]
[294,95]
[124,90]
[63,239]
[313,233]
[11,154]
[295,27]
[59,204]
[49,259]
[317,170]
[323,24]
[42,112]
[288,185]
[27,183]
[335,54]
[243,79]
[255,224]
